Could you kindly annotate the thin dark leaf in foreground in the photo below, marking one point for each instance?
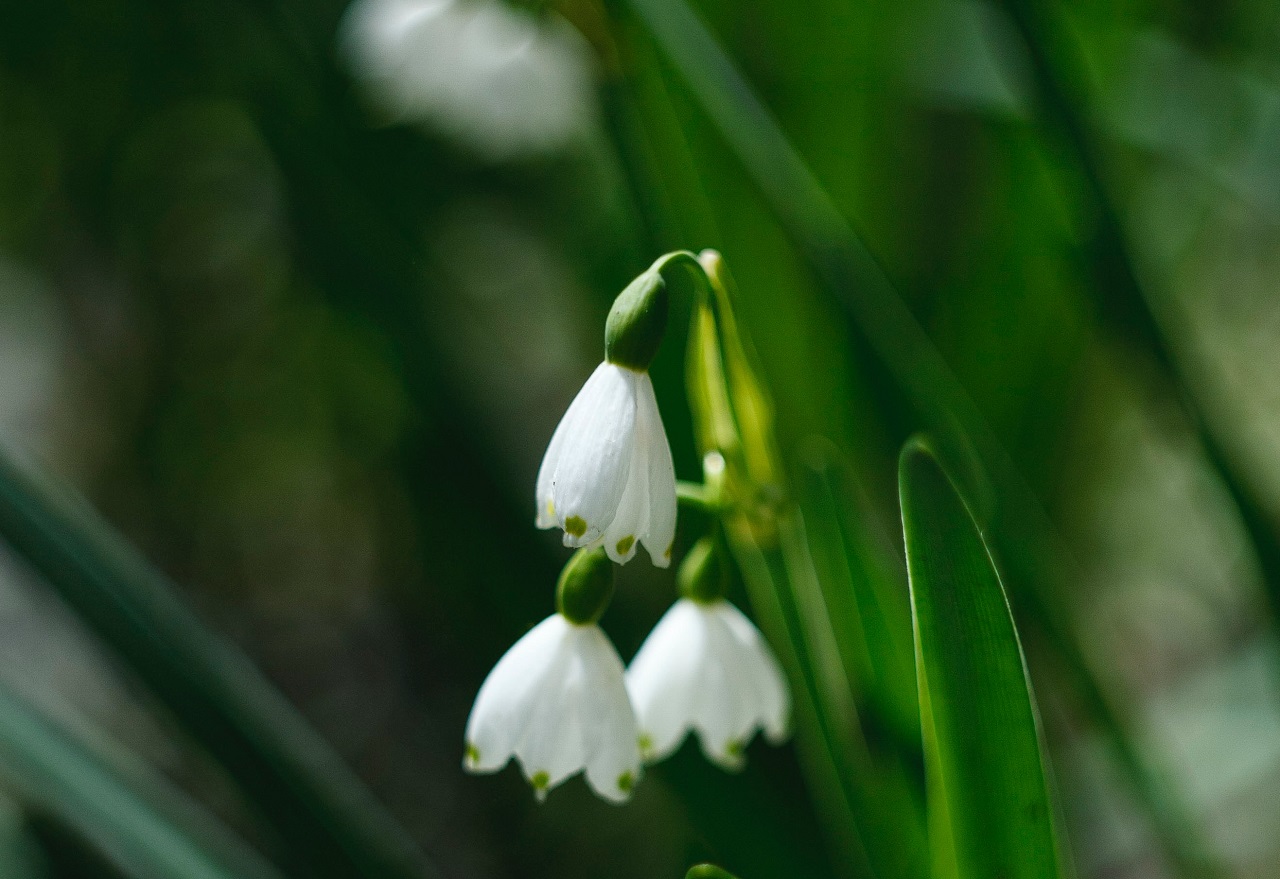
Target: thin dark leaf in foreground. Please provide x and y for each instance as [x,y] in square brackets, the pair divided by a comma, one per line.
[132,818]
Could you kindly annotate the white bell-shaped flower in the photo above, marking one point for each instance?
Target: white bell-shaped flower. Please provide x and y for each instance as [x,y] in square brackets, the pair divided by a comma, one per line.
[607,478]
[557,702]
[706,667]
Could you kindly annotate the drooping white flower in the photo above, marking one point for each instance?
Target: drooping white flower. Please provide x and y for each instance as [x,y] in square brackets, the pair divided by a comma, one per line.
[499,79]
[706,667]
[607,478]
[557,702]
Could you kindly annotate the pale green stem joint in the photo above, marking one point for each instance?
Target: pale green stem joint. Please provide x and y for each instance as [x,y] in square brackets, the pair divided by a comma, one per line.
[696,496]
[586,587]
[703,576]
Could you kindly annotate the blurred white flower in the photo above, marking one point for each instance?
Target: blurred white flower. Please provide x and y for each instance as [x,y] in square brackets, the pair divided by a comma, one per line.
[607,477]
[557,702]
[500,80]
[706,667]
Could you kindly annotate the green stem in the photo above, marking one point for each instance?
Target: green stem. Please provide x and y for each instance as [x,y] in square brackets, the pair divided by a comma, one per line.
[844,264]
[689,260]
[695,496]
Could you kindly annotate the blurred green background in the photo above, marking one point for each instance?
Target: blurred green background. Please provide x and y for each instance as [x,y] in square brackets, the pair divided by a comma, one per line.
[295,294]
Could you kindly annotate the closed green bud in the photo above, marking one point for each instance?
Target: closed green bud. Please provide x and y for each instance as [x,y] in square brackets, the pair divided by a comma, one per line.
[636,322]
[703,575]
[585,587]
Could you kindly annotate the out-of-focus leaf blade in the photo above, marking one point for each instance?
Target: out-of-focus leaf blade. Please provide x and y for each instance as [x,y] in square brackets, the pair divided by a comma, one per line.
[20,854]
[132,819]
[865,590]
[990,810]
[708,871]
[330,823]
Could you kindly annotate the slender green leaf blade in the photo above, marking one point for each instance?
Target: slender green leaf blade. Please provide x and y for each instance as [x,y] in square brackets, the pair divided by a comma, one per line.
[141,824]
[990,811]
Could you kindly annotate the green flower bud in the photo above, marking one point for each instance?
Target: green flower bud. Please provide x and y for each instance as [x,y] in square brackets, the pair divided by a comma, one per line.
[703,575]
[636,322]
[585,587]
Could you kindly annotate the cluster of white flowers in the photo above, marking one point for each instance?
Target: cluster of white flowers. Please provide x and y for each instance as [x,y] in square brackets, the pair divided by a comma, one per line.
[560,701]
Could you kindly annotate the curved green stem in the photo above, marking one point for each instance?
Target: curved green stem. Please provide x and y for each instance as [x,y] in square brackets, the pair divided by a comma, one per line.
[689,260]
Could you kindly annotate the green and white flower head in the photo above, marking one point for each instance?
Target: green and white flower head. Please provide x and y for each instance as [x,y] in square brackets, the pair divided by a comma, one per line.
[706,668]
[557,700]
[607,478]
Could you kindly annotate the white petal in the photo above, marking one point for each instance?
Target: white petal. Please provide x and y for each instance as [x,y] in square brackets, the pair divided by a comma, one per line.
[661,531]
[552,748]
[665,679]
[622,537]
[591,456]
[503,706]
[610,734]
[723,716]
[750,692]
[772,698]
[545,517]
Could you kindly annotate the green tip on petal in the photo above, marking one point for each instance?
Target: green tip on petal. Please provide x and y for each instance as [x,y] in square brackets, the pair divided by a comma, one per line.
[540,780]
[575,525]
[473,755]
[733,757]
[625,544]
[645,743]
[626,781]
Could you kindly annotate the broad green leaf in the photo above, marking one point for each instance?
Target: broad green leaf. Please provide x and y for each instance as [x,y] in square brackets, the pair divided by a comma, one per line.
[141,824]
[990,810]
[329,822]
